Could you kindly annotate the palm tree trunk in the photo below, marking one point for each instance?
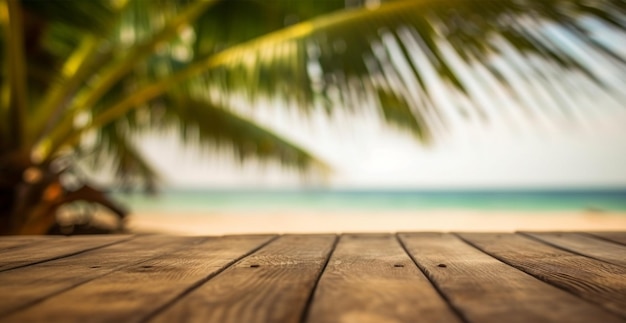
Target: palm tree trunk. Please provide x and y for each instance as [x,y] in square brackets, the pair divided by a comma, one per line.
[30,198]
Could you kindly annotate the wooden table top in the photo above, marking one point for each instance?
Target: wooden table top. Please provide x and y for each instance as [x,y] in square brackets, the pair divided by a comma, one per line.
[404,277]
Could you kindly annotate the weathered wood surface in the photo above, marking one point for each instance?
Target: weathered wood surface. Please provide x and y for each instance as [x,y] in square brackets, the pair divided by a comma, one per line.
[593,280]
[135,291]
[614,236]
[44,250]
[26,286]
[21,241]
[271,285]
[585,245]
[484,289]
[408,277]
[370,277]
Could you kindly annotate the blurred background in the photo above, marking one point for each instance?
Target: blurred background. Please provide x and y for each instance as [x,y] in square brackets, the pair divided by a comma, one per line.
[236,116]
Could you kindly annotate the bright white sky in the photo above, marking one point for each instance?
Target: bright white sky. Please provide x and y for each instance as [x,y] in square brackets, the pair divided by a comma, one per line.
[365,154]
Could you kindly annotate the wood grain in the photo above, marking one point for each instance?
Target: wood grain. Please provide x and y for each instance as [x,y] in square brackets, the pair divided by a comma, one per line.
[53,248]
[271,285]
[484,289]
[134,292]
[585,245]
[617,237]
[370,278]
[9,242]
[596,281]
[26,286]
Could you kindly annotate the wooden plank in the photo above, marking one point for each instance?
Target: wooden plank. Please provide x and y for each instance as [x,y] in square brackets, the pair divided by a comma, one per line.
[484,289]
[617,237]
[584,245]
[132,293]
[54,248]
[9,242]
[593,280]
[28,285]
[370,278]
[272,285]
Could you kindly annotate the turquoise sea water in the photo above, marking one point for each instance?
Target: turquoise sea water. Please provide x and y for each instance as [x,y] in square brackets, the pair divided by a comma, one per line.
[198,201]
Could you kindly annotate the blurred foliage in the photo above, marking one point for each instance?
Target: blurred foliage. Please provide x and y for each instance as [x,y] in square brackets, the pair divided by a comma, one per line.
[82,79]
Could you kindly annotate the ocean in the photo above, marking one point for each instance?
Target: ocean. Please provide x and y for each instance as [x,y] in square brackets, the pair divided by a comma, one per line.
[198,201]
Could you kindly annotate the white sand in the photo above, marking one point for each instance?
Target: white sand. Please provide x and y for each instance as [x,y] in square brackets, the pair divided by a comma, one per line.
[302,221]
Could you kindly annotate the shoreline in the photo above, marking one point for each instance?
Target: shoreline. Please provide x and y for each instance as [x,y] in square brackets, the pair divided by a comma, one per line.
[308,221]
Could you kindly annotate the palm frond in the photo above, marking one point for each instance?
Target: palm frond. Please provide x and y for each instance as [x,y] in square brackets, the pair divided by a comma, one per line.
[405,56]
[229,23]
[396,43]
[123,65]
[112,73]
[200,123]
[90,51]
[114,148]
[396,48]
[211,125]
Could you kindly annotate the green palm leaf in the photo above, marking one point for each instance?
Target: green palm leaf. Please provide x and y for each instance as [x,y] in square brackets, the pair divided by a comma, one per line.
[390,50]
[385,43]
[115,149]
[218,127]
[199,123]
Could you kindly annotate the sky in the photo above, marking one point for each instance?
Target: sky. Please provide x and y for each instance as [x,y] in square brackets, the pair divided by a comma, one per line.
[365,154]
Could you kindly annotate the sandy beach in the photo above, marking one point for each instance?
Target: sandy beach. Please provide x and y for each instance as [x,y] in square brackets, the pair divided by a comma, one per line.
[303,221]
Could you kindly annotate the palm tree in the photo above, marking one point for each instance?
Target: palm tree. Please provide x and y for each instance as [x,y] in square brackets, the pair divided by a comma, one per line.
[80,79]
